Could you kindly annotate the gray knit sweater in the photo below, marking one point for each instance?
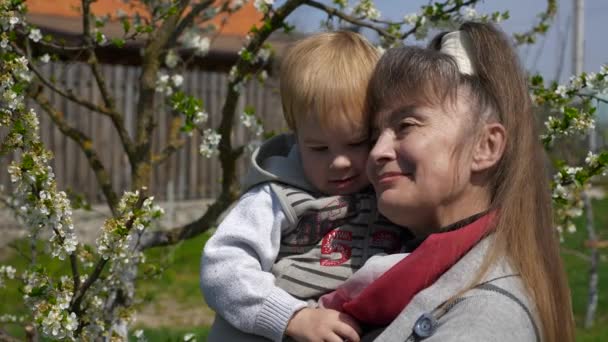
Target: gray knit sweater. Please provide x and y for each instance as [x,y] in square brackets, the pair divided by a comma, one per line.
[499,310]
[310,243]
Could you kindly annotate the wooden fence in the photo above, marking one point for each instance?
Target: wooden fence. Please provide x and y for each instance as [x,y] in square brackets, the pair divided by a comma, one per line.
[186,174]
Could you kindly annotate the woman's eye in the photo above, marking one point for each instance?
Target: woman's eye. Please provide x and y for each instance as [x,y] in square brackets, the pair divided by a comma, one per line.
[318,148]
[405,125]
[359,143]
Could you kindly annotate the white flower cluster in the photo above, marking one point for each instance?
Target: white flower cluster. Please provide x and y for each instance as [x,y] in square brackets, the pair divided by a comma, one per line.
[139,335]
[211,141]
[263,5]
[41,206]
[263,54]
[233,76]
[466,13]
[252,123]
[367,9]
[6,272]
[10,98]
[58,323]
[200,117]
[10,15]
[568,191]
[118,232]
[166,84]
[8,318]
[592,161]
[50,305]
[586,84]
[192,39]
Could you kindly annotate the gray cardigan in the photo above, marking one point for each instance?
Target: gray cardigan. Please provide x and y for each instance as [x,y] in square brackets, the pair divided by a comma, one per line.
[498,310]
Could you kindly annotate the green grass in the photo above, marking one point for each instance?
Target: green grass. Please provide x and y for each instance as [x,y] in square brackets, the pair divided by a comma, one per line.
[578,275]
[177,283]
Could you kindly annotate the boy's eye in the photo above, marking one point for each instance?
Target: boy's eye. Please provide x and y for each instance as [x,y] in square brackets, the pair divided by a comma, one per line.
[318,148]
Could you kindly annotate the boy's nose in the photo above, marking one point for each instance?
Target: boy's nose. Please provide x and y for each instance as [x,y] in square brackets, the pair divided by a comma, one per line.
[383,150]
[340,162]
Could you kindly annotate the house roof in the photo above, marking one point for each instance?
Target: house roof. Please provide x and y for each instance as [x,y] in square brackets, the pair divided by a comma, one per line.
[237,24]
[62,19]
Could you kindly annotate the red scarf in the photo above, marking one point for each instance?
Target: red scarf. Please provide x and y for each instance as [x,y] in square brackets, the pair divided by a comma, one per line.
[381,302]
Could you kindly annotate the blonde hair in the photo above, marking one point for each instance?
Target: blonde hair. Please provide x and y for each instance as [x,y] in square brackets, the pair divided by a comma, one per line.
[326,76]
[524,231]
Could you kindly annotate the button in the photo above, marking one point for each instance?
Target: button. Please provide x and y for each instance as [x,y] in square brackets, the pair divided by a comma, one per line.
[425,325]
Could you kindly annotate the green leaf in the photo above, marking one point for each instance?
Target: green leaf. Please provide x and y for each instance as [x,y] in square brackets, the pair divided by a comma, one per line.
[537,80]
[126,25]
[249,110]
[118,42]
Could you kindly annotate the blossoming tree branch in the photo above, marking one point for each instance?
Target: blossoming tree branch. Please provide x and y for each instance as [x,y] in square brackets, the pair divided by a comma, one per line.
[95,298]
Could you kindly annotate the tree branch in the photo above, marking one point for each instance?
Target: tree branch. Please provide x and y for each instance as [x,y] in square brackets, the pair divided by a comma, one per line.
[332,11]
[228,155]
[68,94]
[141,159]
[541,27]
[108,99]
[84,142]
[174,144]
[81,291]
[188,20]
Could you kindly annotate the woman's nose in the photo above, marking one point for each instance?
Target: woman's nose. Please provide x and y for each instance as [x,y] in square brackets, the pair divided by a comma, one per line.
[383,150]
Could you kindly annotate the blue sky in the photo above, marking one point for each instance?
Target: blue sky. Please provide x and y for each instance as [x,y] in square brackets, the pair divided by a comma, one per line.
[544,57]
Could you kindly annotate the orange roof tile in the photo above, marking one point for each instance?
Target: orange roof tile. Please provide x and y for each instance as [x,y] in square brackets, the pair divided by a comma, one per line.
[238,24]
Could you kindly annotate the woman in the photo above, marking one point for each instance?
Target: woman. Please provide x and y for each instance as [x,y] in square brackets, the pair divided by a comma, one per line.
[458,160]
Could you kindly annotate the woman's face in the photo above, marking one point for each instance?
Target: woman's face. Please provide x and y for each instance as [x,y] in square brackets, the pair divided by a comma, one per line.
[420,165]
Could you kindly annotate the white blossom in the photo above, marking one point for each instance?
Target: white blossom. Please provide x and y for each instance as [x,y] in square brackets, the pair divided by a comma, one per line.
[237,4]
[561,91]
[211,141]
[367,9]
[177,80]
[7,272]
[193,40]
[263,5]
[200,117]
[411,19]
[13,21]
[171,59]
[35,35]
[45,58]
[263,55]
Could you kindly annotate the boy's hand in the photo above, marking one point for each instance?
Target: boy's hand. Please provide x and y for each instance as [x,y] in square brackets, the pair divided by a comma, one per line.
[313,325]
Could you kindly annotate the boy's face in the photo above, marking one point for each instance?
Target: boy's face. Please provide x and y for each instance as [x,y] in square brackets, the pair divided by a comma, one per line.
[333,158]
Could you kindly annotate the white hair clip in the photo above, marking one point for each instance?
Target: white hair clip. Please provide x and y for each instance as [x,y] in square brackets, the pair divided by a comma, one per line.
[458,45]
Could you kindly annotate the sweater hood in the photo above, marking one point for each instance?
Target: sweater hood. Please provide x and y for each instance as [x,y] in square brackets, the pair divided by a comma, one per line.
[277,160]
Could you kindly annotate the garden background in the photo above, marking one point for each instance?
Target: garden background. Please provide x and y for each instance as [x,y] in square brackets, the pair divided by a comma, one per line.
[167,98]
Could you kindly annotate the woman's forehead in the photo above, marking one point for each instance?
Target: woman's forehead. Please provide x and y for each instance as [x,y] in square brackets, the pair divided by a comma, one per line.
[390,113]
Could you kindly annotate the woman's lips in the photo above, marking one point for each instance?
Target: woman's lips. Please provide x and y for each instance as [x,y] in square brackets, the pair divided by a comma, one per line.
[389,177]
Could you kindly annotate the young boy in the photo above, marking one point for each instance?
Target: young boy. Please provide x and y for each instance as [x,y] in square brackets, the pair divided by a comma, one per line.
[308,219]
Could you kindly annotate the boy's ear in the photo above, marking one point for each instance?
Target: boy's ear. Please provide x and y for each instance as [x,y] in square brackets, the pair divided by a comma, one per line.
[489,147]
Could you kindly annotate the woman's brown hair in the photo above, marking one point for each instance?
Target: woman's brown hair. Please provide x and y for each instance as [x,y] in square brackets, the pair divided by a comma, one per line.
[519,186]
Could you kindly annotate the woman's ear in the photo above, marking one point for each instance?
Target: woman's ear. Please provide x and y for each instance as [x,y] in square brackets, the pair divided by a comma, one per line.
[489,148]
